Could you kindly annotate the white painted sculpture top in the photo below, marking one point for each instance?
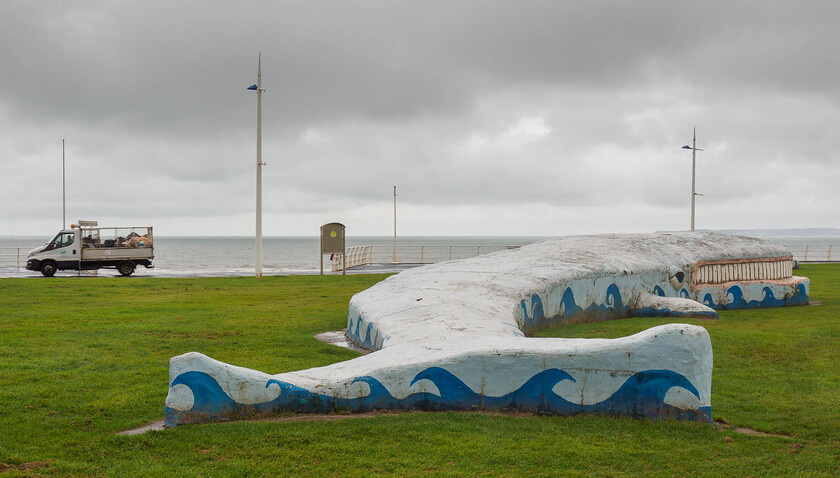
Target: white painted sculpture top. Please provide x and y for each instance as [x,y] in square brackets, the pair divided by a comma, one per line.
[493,295]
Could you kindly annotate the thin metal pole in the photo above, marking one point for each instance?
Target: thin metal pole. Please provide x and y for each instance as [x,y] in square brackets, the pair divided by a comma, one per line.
[63,192]
[693,195]
[394,257]
[258,266]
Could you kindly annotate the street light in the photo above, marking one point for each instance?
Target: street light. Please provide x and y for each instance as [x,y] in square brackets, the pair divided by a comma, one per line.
[394,259]
[63,192]
[259,89]
[694,150]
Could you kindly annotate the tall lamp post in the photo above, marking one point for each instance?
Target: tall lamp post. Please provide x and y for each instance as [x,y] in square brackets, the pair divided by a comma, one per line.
[63,192]
[394,257]
[259,89]
[694,150]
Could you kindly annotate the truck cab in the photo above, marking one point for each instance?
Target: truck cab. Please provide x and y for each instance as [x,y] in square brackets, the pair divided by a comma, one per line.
[87,246]
[60,253]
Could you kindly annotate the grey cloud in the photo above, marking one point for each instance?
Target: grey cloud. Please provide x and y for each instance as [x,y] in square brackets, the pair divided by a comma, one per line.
[365,95]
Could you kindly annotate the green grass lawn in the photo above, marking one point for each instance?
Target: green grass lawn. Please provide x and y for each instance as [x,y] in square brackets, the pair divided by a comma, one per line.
[84,358]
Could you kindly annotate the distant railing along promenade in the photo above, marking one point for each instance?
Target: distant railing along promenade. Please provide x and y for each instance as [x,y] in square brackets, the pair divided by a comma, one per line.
[414,254]
[420,254]
[815,253]
[13,256]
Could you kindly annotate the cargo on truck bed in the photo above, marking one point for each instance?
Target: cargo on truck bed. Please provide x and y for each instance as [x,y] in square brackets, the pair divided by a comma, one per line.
[86,246]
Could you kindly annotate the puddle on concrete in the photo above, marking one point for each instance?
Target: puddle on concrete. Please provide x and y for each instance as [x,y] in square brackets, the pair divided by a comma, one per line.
[338,338]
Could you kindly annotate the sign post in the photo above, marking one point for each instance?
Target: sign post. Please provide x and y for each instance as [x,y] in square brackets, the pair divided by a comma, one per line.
[332,242]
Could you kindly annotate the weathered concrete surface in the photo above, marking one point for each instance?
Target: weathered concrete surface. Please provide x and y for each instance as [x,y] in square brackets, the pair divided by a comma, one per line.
[452,335]
[562,280]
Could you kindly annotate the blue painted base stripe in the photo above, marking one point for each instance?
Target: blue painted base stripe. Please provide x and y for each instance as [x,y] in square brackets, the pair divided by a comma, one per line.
[642,395]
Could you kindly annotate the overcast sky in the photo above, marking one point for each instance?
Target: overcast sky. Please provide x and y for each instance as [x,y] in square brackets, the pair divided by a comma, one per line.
[491,118]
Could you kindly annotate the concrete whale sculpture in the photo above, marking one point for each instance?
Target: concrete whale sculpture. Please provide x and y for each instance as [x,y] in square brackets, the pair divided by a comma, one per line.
[452,336]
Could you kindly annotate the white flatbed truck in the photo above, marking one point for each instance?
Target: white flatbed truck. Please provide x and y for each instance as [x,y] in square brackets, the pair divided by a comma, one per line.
[86,246]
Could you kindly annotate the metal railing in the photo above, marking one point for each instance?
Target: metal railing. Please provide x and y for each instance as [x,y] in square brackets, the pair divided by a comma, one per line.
[427,254]
[356,256]
[13,256]
[413,254]
[815,253]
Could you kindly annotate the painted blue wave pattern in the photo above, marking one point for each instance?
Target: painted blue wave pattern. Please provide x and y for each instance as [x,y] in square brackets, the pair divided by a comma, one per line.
[372,339]
[735,299]
[641,395]
[537,315]
[661,293]
[568,305]
[612,307]
[614,298]
[210,402]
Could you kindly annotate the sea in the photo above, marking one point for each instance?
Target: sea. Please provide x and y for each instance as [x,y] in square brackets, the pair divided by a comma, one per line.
[235,256]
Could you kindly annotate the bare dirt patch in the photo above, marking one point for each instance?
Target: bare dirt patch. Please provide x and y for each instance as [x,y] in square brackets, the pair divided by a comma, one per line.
[32,465]
[724,426]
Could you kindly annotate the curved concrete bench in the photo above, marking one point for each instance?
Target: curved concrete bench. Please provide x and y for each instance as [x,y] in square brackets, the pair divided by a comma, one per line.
[452,336]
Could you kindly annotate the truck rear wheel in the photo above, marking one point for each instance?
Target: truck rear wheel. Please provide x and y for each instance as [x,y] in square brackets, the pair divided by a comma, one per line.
[125,268]
[48,268]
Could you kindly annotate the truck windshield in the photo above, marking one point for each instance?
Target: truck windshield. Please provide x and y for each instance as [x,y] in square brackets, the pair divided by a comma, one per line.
[63,240]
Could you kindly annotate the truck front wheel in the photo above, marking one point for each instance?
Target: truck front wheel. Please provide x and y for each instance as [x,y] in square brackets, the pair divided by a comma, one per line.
[48,268]
[126,268]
